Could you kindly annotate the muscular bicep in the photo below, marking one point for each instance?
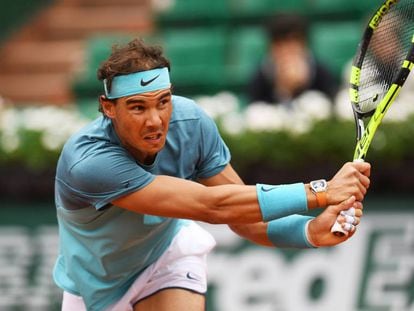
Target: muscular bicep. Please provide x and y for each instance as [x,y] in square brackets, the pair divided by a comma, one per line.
[179,198]
[168,197]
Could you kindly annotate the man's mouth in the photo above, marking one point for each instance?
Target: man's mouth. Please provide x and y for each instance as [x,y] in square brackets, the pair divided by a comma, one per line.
[153,137]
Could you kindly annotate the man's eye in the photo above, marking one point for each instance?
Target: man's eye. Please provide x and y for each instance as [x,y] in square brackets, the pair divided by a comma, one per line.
[164,102]
[138,108]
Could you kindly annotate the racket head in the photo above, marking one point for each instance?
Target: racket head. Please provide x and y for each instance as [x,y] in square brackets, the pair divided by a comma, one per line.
[380,67]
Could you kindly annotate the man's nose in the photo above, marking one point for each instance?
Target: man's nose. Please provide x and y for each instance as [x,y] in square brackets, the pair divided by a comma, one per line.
[153,118]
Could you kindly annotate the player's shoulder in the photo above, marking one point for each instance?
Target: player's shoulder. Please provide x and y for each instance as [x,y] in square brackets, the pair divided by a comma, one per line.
[94,139]
[96,130]
[185,109]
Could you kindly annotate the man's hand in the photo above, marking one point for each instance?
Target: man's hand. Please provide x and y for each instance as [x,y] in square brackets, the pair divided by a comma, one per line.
[351,180]
[319,229]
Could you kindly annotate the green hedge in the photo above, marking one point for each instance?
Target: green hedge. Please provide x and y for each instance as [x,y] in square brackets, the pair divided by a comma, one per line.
[31,140]
[328,141]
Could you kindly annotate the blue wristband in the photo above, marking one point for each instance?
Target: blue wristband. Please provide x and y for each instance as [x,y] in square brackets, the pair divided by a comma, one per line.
[280,201]
[289,232]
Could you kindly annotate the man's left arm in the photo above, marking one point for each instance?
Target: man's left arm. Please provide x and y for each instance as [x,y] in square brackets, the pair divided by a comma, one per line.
[316,232]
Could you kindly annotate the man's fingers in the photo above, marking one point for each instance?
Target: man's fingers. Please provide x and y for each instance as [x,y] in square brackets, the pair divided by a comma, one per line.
[348,227]
[365,181]
[350,212]
[359,206]
[361,172]
[363,167]
[352,220]
[358,212]
[362,191]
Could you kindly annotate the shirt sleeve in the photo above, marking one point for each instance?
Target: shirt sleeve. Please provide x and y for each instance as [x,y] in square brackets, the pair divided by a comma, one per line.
[104,176]
[215,155]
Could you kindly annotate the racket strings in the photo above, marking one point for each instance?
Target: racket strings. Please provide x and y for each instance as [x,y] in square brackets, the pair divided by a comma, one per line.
[386,52]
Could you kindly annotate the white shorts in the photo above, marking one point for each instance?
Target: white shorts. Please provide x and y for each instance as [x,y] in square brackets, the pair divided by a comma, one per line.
[183,265]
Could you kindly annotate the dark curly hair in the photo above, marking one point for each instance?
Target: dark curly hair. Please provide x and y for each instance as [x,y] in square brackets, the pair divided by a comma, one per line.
[135,56]
[284,25]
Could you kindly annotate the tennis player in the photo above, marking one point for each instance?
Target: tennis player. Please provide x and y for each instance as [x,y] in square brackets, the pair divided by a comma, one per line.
[130,185]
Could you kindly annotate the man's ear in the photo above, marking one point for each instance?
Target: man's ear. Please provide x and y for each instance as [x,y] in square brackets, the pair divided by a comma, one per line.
[107,106]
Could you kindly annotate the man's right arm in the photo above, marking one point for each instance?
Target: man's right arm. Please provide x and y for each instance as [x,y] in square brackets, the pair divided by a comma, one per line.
[179,198]
[237,204]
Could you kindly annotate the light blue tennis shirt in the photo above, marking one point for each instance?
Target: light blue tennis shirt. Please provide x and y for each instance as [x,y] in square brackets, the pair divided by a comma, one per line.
[103,248]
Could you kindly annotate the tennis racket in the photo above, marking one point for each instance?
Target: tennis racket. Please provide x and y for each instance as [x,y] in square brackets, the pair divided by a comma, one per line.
[382,63]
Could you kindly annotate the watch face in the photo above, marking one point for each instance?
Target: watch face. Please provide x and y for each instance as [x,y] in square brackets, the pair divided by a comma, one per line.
[318,185]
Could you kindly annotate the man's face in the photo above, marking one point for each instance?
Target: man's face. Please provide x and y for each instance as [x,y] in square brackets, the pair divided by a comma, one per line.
[141,122]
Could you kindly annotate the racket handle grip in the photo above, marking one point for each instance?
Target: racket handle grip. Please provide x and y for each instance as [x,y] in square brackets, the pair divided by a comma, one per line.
[338,230]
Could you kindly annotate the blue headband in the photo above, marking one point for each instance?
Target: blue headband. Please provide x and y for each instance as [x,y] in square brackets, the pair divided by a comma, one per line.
[138,82]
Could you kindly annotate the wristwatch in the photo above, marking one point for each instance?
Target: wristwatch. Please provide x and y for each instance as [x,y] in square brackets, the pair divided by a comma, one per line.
[318,187]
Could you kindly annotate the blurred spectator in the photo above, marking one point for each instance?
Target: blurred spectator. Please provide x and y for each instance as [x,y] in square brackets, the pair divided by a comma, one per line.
[289,68]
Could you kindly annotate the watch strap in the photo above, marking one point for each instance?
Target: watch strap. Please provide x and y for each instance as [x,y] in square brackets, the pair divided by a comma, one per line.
[321,198]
